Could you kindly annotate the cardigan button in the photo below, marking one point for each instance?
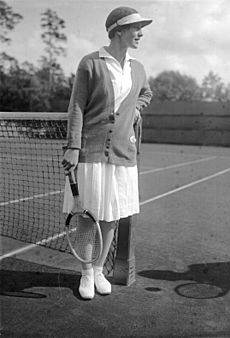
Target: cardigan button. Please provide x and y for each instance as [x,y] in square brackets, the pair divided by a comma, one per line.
[112,118]
[106,153]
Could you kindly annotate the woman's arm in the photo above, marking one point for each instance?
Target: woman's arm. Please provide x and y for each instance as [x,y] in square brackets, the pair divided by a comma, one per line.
[78,100]
[145,96]
[77,104]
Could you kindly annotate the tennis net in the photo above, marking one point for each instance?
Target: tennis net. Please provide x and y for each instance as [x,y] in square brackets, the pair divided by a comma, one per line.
[32,180]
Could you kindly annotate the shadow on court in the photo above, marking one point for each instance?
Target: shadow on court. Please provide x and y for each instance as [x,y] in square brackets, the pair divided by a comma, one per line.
[215,274]
[16,276]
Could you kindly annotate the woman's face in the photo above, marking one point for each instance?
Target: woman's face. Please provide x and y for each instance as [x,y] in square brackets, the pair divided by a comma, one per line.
[130,37]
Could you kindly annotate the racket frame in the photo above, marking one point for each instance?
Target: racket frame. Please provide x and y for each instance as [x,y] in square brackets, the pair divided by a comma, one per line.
[85,213]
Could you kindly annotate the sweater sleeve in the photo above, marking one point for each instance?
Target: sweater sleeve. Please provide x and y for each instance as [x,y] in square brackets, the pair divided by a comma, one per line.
[145,94]
[77,104]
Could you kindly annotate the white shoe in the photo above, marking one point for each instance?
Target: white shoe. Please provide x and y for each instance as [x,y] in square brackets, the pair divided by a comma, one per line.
[86,288]
[102,285]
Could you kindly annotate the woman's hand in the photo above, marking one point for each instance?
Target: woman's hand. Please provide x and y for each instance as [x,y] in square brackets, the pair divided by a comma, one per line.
[71,158]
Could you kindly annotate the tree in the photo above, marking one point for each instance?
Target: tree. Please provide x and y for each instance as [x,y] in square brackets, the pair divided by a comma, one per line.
[60,89]
[8,20]
[173,86]
[7,62]
[213,88]
[24,87]
[53,38]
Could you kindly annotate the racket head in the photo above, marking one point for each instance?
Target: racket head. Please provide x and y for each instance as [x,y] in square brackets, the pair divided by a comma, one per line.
[84,236]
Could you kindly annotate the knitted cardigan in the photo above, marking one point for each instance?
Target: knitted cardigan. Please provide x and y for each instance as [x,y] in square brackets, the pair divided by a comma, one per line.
[93,127]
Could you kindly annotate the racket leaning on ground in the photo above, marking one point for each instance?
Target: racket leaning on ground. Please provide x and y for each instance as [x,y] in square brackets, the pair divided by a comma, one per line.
[83,231]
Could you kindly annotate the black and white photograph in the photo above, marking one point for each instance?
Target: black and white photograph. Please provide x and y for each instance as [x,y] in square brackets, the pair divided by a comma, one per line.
[114,169]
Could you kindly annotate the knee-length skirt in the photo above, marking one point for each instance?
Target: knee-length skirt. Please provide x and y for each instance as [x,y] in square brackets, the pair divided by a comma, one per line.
[109,191]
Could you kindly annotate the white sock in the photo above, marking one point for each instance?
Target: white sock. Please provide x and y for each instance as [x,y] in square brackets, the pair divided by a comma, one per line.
[87,272]
[98,269]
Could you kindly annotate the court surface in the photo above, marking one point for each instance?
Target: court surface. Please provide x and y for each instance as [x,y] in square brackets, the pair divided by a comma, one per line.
[182,262]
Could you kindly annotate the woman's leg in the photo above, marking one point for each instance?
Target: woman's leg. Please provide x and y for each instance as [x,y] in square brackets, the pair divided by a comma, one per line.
[102,284]
[86,288]
[107,229]
[84,230]
[90,274]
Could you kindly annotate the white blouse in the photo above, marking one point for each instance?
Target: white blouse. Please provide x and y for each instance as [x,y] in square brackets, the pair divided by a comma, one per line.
[121,77]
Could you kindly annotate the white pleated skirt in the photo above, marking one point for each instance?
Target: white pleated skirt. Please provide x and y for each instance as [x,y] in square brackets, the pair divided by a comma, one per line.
[109,191]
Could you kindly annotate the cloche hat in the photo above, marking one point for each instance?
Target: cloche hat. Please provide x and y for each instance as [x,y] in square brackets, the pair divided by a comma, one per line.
[124,16]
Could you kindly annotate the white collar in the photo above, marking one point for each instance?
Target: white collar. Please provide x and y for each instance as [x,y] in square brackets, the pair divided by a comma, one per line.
[104,54]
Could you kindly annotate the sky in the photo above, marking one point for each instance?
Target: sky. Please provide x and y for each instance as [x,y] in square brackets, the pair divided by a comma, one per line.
[189,36]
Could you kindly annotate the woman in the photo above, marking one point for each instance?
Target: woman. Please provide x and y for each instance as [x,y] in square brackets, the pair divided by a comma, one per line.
[109,91]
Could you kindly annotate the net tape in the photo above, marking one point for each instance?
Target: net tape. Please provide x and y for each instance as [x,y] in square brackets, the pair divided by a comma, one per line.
[32,181]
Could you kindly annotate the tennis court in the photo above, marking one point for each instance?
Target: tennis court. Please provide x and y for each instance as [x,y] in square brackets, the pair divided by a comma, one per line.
[182,261]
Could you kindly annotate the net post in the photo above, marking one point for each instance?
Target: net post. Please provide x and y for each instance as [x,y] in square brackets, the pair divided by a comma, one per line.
[125,267]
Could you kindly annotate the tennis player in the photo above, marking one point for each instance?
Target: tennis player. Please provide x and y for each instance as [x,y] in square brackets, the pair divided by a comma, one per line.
[109,92]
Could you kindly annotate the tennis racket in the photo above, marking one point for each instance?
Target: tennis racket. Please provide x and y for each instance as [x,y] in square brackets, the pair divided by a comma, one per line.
[83,231]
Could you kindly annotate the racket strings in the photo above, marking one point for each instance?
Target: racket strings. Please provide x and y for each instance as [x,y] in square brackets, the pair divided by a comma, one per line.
[85,237]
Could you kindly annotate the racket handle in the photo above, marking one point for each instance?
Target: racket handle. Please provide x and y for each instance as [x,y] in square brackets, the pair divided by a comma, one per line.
[72,181]
[71,175]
